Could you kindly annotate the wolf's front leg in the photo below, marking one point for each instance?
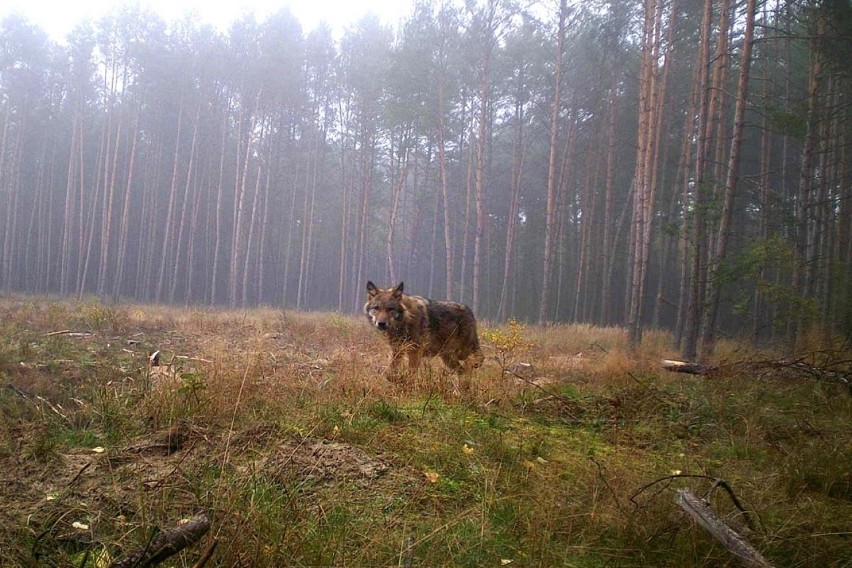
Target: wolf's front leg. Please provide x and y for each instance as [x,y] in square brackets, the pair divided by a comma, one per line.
[395,374]
[414,356]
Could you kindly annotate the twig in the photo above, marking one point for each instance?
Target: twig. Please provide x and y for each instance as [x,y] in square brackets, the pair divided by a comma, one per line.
[17,391]
[548,392]
[816,373]
[52,407]
[69,333]
[208,554]
[79,473]
[717,482]
[426,404]
[188,358]
[636,379]
[606,483]
[34,550]
[168,543]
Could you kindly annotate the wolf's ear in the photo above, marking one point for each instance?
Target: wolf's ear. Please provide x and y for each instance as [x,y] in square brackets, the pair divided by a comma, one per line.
[371,289]
[397,292]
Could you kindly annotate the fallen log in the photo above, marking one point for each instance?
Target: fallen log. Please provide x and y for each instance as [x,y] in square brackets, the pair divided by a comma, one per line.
[684,367]
[168,543]
[705,516]
[837,373]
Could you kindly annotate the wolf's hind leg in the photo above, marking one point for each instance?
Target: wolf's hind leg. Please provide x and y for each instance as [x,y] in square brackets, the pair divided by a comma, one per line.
[461,375]
[451,360]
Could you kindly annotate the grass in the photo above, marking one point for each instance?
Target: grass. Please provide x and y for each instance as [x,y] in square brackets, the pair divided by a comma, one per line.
[281,427]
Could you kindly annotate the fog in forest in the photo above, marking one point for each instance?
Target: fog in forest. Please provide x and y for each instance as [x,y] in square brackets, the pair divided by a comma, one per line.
[676,164]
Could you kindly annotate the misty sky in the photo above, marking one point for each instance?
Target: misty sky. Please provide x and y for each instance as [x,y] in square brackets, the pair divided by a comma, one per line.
[58,18]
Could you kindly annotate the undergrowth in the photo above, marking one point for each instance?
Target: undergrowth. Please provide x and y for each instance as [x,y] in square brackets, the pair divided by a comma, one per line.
[279,425]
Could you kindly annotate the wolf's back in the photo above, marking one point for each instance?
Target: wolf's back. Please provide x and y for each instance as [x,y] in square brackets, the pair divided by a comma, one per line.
[452,321]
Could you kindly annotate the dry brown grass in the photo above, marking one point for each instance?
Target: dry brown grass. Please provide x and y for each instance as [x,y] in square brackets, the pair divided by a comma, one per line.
[281,425]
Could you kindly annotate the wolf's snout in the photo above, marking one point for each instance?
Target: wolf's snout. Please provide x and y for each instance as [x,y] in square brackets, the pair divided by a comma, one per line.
[383,325]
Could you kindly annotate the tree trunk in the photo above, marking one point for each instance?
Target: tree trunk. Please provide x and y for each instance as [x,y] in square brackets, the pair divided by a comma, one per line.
[442,165]
[220,190]
[307,236]
[240,191]
[550,214]
[124,225]
[804,199]
[396,193]
[168,245]
[184,210]
[651,99]
[607,253]
[466,234]
[518,155]
[87,229]
[245,267]
[698,262]
[110,172]
[715,284]
[483,134]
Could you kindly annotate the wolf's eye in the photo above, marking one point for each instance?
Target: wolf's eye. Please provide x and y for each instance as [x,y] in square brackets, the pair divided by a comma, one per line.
[373,309]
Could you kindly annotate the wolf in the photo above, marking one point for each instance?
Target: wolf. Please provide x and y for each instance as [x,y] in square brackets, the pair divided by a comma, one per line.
[417,327]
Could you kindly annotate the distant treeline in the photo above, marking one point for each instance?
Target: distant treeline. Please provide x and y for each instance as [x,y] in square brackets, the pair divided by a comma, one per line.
[673,163]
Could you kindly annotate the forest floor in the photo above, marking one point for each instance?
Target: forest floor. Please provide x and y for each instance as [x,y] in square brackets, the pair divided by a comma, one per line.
[280,427]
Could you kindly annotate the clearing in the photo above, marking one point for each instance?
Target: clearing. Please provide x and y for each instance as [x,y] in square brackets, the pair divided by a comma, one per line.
[280,427]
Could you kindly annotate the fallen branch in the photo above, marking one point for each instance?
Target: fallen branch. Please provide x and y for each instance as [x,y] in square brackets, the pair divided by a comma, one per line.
[188,358]
[52,407]
[168,543]
[17,391]
[79,473]
[835,373]
[717,482]
[69,333]
[818,373]
[684,367]
[705,516]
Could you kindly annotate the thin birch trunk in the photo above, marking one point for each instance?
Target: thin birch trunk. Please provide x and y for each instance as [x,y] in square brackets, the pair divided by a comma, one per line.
[555,107]
[170,211]
[220,189]
[442,165]
[110,173]
[246,263]
[190,170]
[124,225]
[402,173]
[518,156]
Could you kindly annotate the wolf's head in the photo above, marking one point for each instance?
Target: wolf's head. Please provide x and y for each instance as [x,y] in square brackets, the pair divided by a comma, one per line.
[384,307]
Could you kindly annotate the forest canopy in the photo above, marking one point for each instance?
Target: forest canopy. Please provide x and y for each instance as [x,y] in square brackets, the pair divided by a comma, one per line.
[667,163]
